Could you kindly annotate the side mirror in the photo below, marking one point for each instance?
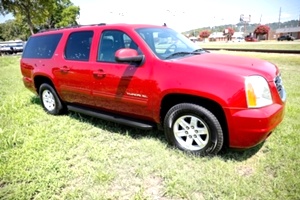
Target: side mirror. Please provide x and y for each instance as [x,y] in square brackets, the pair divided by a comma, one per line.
[128,55]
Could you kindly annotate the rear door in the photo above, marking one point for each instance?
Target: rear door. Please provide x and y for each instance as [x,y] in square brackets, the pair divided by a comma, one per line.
[74,71]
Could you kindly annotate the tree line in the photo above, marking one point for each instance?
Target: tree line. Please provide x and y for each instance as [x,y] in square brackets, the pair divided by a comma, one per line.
[250,28]
[228,32]
[31,16]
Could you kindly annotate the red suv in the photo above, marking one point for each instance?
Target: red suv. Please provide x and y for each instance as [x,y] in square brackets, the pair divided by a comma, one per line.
[149,77]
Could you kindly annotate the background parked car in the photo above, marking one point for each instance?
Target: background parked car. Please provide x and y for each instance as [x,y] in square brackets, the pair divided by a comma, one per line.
[5,49]
[286,37]
[11,47]
[250,39]
[239,39]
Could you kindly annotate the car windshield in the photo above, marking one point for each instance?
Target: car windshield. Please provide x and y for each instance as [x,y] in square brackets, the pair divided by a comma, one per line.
[167,43]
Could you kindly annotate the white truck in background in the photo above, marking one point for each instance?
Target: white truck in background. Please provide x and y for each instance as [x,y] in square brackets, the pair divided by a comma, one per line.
[11,47]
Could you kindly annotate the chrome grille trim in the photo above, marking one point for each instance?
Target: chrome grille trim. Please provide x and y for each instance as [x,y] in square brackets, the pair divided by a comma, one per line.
[280,88]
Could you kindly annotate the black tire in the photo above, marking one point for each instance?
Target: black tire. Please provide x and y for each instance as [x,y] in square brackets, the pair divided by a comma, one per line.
[202,134]
[50,100]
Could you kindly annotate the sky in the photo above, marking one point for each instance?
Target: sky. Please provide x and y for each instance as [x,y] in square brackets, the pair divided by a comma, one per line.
[184,15]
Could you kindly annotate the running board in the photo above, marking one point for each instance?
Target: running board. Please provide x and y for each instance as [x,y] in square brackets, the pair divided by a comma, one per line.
[113,118]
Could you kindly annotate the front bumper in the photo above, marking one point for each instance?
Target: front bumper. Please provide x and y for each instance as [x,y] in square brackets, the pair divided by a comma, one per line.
[249,127]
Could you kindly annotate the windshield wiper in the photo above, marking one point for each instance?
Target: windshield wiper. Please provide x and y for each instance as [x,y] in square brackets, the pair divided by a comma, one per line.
[182,53]
[199,50]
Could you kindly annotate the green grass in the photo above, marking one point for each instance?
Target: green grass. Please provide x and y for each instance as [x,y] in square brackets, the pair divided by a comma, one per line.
[283,45]
[79,157]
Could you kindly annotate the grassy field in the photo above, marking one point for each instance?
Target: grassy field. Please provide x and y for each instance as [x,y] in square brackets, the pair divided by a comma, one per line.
[78,157]
[283,45]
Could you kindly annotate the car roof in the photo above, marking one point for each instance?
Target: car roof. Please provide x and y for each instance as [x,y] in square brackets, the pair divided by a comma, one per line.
[96,26]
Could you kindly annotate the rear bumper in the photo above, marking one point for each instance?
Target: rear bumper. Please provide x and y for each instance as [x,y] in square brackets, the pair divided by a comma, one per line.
[249,127]
[28,83]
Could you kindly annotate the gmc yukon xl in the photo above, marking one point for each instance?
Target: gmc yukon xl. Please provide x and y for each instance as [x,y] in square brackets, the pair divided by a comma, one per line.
[150,76]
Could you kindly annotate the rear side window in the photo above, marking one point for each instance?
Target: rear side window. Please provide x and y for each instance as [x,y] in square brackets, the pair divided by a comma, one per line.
[42,46]
[79,45]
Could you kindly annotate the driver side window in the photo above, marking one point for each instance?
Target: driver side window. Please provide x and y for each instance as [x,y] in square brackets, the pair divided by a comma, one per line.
[110,42]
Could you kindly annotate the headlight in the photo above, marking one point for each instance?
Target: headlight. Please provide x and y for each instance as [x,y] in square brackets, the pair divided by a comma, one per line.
[258,93]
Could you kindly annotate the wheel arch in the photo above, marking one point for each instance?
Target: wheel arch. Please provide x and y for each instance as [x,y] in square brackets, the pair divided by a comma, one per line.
[214,107]
[39,80]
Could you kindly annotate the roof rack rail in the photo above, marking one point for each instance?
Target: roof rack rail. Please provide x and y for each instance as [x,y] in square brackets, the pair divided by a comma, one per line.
[46,30]
[100,24]
[73,26]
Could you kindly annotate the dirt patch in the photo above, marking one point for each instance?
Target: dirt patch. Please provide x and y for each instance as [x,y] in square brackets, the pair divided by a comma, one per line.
[154,188]
[245,171]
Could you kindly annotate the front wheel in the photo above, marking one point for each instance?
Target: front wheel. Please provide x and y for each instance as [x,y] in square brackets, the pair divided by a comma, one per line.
[50,100]
[193,128]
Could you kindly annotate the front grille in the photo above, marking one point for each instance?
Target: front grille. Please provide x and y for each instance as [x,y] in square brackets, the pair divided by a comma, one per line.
[280,88]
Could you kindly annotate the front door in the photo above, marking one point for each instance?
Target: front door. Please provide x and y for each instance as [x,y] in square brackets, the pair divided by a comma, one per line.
[120,87]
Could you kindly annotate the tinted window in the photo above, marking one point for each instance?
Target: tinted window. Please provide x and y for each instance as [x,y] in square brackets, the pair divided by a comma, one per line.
[41,46]
[79,45]
[110,42]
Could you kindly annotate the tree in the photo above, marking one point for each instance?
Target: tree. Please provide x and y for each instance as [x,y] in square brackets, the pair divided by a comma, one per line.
[2,28]
[262,30]
[9,30]
[204,34]
[64,14]
[39,14]
[12,30]
[228,32]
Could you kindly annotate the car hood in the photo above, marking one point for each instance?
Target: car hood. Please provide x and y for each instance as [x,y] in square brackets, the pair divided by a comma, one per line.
[238,65]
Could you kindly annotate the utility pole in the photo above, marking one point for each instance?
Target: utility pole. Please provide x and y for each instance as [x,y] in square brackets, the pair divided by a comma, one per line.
[245,29]
[279,17]
[260,19]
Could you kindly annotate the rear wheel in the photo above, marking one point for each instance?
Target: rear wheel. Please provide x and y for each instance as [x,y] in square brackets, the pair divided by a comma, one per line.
[193,128]
[50,100]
